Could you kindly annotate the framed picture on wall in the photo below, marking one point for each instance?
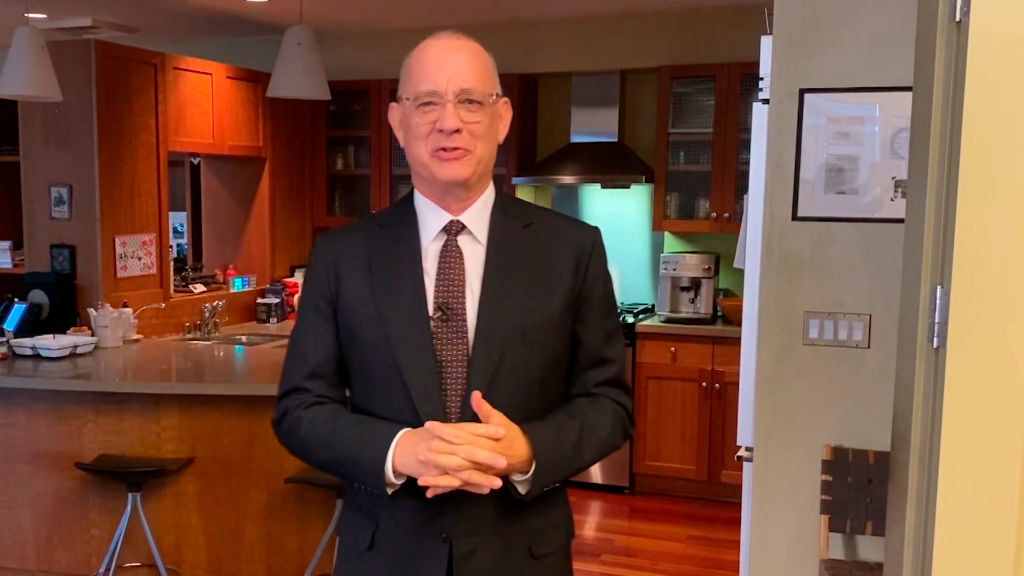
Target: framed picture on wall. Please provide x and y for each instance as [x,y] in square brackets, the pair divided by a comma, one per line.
[60,201]
[852,154]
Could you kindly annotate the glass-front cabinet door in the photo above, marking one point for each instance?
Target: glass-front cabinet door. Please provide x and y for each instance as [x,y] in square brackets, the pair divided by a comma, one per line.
[701,162]
[351,139]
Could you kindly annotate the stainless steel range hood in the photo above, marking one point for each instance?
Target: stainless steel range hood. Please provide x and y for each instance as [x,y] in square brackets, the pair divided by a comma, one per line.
[594,155]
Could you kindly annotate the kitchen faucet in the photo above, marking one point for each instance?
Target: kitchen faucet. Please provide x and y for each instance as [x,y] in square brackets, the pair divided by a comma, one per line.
[208,324]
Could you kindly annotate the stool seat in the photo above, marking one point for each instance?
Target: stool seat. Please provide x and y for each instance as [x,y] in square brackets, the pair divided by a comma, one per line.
[310,476]
[132,471]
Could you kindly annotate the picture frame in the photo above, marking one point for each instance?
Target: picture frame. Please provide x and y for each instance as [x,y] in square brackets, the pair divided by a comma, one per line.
[63,261]
[60,201]
[852,154]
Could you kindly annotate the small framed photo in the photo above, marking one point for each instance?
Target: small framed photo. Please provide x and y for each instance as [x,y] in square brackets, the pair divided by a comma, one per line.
[60,201]
[62,260]
[852,153]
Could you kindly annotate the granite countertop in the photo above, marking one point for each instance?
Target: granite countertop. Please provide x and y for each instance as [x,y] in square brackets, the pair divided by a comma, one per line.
[720,329]
[160,366]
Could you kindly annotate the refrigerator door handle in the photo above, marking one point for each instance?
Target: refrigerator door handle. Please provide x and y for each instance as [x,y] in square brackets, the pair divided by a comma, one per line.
[745,454]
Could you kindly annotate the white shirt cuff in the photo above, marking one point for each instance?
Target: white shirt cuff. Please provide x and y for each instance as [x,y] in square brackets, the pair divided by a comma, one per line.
[392,479]
[522,482]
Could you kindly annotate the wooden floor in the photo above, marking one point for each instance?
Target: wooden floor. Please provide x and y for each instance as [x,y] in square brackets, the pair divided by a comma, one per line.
[641,535]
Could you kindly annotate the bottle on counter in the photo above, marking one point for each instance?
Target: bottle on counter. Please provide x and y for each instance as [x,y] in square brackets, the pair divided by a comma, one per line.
[4,351]
[229,276]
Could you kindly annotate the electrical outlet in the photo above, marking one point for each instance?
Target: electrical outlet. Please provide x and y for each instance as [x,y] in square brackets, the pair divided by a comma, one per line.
[837,329]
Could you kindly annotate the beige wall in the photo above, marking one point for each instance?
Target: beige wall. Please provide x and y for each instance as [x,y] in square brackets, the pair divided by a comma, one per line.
[58,145]
[636,41]
[809,396]
[979,524]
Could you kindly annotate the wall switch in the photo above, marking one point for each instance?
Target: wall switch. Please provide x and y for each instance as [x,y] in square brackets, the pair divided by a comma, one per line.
[837,329]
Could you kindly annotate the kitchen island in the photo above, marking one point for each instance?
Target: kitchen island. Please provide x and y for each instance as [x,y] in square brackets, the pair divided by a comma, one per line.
[229,513]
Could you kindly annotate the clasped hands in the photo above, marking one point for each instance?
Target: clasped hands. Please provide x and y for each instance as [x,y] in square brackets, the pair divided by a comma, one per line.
[471,456]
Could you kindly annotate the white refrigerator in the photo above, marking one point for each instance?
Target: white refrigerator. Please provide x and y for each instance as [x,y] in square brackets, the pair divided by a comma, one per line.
[748,258]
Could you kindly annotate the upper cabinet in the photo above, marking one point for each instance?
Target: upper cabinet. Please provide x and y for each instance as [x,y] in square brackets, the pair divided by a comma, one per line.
[703,148]
[350,141]
[365,168]
[214,108]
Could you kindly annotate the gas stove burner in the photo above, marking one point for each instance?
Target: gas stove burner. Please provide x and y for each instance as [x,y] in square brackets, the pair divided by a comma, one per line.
[635,311]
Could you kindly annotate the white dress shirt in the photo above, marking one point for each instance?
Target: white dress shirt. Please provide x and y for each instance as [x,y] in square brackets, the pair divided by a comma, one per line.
[431,220]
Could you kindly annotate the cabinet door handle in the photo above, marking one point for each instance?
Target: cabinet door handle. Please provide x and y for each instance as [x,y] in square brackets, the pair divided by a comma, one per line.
[727,216]
[714,215]
[703,385]
[672,352]
[718,387]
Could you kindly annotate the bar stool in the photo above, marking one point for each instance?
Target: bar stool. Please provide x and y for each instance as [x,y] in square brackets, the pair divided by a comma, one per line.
[133,472]
[310,476]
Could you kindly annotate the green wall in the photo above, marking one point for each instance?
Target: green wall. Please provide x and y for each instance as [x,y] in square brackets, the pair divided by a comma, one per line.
[724,244]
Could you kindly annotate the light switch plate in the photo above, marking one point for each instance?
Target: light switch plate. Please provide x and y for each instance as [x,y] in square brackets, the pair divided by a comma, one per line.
[836,329]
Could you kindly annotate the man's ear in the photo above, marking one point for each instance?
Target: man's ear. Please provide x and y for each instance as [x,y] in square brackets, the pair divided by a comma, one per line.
[504,118]
[395,119]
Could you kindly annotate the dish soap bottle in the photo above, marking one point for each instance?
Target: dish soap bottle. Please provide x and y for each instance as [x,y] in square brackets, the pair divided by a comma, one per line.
[229,277]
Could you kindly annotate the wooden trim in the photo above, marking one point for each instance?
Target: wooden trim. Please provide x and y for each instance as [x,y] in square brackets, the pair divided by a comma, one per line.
[661,152]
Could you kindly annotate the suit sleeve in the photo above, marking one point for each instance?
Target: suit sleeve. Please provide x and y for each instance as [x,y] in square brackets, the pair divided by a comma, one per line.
[595,419]
[312,419]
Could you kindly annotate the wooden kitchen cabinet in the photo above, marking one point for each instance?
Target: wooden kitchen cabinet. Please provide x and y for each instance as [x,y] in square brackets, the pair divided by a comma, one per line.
[703,148]
[686,404]
[673,405]
[214,108]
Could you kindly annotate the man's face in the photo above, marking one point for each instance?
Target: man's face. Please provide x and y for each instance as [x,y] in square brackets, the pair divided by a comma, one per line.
[448,121]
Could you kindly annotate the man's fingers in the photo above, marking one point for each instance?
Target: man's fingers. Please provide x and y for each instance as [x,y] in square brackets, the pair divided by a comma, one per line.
[487,413]
[465,432]
[478,478]
[440,481]
[444,462]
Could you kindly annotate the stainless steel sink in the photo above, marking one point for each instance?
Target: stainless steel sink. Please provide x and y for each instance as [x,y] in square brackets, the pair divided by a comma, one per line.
[239,339]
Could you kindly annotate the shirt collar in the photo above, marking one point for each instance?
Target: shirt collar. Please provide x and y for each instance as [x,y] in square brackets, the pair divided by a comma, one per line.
[431,218]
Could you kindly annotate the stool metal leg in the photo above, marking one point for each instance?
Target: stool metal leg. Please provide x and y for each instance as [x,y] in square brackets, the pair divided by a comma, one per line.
[149,536]
[110,560]
[310,571]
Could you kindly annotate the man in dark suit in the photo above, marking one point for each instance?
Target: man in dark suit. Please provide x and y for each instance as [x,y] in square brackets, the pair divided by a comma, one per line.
[412,317]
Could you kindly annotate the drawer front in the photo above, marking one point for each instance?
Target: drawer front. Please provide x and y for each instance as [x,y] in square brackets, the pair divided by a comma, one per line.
[675,352]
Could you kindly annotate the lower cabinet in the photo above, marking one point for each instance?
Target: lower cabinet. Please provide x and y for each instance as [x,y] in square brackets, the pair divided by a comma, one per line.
[686,404]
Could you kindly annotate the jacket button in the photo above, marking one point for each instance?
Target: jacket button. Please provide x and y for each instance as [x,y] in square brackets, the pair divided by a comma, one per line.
[444,537]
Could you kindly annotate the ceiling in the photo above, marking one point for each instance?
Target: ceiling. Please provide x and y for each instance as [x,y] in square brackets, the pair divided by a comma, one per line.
[180,21]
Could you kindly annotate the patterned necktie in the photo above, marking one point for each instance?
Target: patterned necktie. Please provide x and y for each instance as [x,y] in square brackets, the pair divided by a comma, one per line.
[448,324]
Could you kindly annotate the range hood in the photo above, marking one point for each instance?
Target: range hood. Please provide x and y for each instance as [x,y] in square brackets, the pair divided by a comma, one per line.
[594,155]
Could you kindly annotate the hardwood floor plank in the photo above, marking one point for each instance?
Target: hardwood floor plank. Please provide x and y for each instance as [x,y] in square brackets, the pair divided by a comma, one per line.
[645,535]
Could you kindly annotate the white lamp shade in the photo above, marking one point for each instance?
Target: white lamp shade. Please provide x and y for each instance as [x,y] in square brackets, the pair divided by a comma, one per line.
[299,69]
[28,71]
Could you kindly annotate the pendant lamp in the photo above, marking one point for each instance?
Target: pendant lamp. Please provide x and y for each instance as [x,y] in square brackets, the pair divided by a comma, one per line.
[27,73]
[299,69]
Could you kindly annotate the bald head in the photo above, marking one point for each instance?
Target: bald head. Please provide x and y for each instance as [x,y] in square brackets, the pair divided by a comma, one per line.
[445,43]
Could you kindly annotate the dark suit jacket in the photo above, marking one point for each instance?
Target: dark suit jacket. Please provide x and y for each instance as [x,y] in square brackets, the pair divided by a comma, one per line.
[547,352]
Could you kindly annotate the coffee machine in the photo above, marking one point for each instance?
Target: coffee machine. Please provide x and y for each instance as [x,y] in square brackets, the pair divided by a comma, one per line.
[687,287]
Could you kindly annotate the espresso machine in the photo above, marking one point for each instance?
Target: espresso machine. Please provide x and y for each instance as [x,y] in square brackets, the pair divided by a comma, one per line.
[687,287]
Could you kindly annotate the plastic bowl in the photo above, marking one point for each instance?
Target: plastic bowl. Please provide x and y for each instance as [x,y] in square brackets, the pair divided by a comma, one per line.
[732,309]
[84,344]
[54,345]
[23,346]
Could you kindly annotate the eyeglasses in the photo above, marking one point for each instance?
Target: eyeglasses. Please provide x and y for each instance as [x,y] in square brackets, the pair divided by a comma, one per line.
[470,105]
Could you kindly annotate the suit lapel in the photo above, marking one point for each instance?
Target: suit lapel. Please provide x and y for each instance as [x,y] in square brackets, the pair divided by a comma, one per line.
[396,268]
[498,295]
